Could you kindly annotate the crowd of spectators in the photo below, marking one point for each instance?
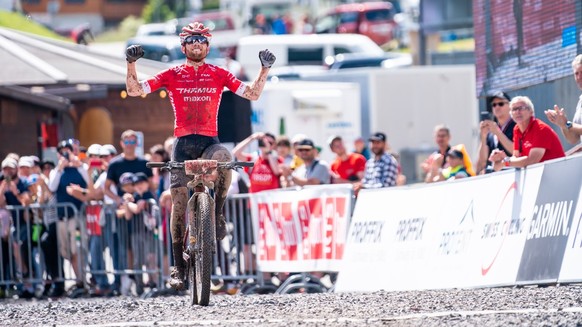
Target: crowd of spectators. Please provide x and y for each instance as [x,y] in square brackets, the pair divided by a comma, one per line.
[35,240]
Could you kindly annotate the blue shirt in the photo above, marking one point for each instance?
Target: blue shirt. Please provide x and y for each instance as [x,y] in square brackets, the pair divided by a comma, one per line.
[380,172]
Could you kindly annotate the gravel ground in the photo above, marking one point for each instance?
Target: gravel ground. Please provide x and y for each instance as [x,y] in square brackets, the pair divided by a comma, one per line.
[530,306]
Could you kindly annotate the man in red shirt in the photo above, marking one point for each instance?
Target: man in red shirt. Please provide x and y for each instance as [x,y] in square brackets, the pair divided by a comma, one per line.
[347,167]
[533,140]
[195,89]
[265,173]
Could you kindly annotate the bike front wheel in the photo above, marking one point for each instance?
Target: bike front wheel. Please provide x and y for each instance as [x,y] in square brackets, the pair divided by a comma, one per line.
[203,257]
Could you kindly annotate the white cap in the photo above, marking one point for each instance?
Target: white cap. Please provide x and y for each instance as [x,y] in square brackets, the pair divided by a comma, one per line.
[298,138]
[25,162]
[112,150]
[9,162]
[94,149]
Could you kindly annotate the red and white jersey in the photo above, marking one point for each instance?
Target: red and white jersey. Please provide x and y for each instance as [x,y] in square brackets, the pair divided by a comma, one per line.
[195,96]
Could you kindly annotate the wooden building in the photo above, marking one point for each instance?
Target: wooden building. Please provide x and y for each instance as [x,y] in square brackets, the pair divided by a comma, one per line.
[51,90]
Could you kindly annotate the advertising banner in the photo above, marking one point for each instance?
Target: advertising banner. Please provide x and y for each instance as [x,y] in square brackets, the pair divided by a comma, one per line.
[550,221]
[466,233]
[301,230]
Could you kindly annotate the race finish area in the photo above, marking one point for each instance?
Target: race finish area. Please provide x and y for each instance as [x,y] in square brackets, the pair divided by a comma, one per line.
[531,306]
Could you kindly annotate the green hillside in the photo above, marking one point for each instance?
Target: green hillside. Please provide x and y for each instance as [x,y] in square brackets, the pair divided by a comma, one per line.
[22,23]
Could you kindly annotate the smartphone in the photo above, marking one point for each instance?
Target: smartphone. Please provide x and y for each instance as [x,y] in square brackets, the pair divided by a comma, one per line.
[66,155]
[486,115]
[95,163]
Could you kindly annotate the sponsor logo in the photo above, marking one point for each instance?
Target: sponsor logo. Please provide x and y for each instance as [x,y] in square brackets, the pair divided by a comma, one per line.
[196,90]
[366,232]
[455,242]
[410,229]
[550,220]
[491,230]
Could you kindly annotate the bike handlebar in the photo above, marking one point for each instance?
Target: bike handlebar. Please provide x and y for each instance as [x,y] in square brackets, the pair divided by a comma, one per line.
[180,165]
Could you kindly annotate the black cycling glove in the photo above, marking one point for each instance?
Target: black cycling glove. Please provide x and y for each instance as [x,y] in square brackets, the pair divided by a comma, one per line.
[133,53]
[267,58]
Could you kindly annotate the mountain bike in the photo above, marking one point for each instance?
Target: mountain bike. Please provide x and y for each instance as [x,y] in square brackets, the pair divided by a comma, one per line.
[200,237]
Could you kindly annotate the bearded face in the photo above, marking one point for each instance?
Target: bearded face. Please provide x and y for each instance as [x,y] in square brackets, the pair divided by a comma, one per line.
[196,52]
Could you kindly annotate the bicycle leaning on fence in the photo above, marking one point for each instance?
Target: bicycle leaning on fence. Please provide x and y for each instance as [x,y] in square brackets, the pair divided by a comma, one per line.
[200,237]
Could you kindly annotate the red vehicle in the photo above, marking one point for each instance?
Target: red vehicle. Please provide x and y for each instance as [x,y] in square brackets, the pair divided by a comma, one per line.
[373,19]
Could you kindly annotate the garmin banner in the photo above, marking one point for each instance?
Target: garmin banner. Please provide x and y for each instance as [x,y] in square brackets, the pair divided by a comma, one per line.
[502,229]
[550,222]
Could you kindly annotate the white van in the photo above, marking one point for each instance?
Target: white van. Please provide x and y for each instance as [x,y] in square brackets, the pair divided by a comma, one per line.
[301,49]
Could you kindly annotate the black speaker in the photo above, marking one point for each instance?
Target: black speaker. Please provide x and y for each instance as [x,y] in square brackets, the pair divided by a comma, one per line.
[234,118]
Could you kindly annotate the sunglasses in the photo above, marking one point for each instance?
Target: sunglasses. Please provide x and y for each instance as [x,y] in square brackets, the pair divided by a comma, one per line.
[498,104]
[195,38]
[130,142]
[303,150]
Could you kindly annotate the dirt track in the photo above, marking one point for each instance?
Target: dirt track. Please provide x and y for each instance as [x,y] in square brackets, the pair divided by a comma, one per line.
[550,306]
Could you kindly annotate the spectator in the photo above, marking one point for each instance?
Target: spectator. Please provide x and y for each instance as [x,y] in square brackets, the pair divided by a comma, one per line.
[533,140]
[284,149]
[46,168]
[161,178]
[265,173]
[261,26]
[141,237]
[313,171]
[572,130]
[14,192]
[69,171]
[496,134]
[25,166]
[361,148]
[382,169]
[125,228]
[347,167]
[456,167]
[296,162]
[127,161]
[278,25]
[438,159]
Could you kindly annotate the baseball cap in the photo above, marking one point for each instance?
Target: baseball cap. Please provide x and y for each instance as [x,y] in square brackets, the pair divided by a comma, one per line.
[109,147]
[64,144]
[306,144]
[94,150]
[378,136]
[500,95]
[9,162]
[333,138]
[298,138]
[140,177]
[456,153]
[126,178]
[25,162]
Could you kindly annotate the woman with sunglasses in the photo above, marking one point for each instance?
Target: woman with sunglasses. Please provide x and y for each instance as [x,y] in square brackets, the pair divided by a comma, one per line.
[195,89]
[496,131]
[533,140]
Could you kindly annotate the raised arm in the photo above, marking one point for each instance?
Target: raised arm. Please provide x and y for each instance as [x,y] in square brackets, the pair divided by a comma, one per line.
[558,117]
[132,54]
[254,91]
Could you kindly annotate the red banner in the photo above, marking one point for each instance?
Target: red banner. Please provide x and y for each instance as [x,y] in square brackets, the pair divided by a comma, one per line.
[301,230]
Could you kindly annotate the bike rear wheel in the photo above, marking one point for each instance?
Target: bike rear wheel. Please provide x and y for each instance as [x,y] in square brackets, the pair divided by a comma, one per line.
[203,257]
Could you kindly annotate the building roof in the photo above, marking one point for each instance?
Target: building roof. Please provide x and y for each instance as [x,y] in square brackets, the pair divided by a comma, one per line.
[29,60]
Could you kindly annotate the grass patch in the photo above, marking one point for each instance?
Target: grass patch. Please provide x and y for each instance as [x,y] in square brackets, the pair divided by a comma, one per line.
[19,22]
[124,31]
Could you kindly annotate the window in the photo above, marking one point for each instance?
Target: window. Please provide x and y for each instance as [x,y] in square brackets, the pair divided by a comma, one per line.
[348,17]
[339,50]
[74,1]
[378,15]
[305,56]
[32,2]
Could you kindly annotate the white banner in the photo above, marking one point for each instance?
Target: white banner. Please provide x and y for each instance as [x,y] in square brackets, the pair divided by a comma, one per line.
[301,230]
[450,234]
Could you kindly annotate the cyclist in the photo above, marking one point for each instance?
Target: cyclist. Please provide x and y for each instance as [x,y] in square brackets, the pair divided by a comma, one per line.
[195,89]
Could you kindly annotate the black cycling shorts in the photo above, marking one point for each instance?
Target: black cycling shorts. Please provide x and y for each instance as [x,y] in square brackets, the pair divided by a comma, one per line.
[194,146]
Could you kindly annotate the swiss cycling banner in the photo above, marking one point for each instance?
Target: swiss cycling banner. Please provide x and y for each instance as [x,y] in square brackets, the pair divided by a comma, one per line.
[301,230]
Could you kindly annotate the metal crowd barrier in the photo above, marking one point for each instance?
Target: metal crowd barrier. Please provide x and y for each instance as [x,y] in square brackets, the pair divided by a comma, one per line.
[26,249]
[118,248]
